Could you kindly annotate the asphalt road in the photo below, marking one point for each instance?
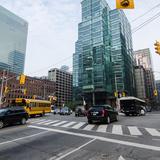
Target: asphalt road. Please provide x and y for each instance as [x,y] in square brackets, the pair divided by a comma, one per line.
[55,137]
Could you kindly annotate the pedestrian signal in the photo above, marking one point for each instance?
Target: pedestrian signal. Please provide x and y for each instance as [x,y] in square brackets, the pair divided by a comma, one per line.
[124,4]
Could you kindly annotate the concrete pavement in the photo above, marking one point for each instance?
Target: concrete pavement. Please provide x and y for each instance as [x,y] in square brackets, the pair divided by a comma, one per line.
[42,139]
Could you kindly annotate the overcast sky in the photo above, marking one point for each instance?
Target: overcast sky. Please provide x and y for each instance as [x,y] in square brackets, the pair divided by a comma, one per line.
[53,30]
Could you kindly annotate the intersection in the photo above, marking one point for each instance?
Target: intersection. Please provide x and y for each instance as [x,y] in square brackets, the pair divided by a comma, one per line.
[55,137]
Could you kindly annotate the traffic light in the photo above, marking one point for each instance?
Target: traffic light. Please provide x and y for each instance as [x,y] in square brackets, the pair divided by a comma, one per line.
[157,47]
[155,92]
[25,91]
[124,4]
[22,79]
[123,94]
[116,94]
[6,89]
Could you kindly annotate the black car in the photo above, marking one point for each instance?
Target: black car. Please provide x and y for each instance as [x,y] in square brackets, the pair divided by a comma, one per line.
[12,115]
[80,111]
[102,113]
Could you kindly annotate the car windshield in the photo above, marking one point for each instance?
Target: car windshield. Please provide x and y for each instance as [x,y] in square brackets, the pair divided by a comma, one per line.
[2,111]
[97,108]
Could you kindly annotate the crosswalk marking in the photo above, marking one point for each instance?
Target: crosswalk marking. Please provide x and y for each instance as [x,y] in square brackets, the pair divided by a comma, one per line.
[68,124]
[48,123]
[60,123]
[153,131]
[102,128]
[134,131]
[117,129]
[77,126]
[44,121]
[89,127]
[35,121]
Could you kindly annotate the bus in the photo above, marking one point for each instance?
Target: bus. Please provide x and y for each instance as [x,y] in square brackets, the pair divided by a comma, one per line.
[132,106]
[33,106]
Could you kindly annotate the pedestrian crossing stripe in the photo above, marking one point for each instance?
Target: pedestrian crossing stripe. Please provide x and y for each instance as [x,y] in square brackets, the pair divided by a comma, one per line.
[115,129]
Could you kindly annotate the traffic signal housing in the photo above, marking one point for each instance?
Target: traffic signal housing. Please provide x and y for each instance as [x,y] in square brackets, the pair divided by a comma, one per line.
[157,47]
[155,92]
[22,79]
[125,4]
[24,91]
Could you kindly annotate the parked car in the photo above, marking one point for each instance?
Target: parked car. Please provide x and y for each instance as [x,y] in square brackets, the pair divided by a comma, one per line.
[102,113]
[12,115]
[80,111]
[56,111]
[65,111]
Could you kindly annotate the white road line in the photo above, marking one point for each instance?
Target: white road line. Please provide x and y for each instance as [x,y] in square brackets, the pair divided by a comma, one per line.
[48,123]
[58,124]
[117,129]
[68,124]
[102,128]
[88,127]
[80,147]
[153,132]
[44,122]
[35,121]
[33,135]
[77,126]
[134,131]
[104,139]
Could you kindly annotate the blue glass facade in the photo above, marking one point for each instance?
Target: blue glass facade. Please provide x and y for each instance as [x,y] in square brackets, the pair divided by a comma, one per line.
[103,53]
[13,39]
[121,53]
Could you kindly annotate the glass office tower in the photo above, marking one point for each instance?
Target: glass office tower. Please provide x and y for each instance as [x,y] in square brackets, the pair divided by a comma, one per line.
[13,39]
[103,58]
[92,58]
[121,53]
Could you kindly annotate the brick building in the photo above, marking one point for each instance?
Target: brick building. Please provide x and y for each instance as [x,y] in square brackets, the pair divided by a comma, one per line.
[34,86]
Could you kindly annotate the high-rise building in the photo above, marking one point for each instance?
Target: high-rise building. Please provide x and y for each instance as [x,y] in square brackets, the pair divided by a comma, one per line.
[121,53]
[104,40]
[92,58]
[140,82]
[13,39]
[63,81]
[143,57]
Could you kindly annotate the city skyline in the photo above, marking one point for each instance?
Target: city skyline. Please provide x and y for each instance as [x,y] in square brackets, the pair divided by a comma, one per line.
[45,23]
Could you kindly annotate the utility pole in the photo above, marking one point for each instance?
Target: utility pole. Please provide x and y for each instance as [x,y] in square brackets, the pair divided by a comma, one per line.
[44,91]
[1,93]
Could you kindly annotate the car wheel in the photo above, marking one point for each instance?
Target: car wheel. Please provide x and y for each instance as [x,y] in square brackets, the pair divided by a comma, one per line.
[142,112]
[23,121]
[89,121]
[1,124]
[108,120]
